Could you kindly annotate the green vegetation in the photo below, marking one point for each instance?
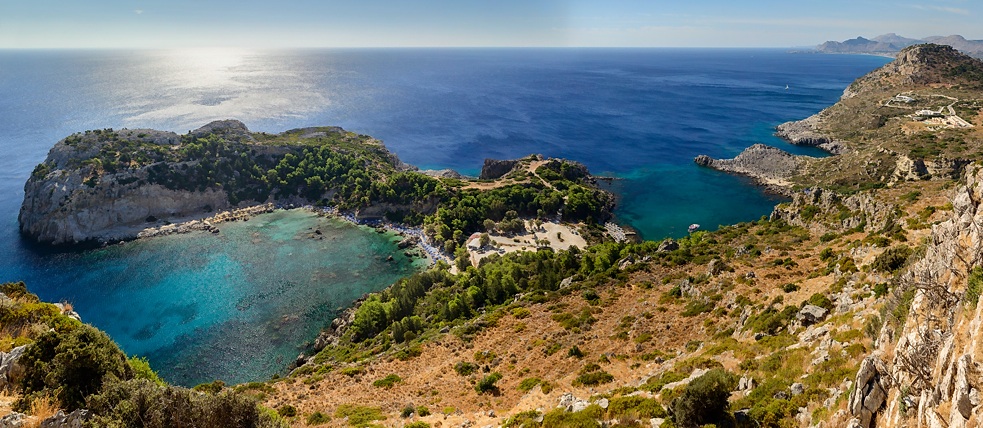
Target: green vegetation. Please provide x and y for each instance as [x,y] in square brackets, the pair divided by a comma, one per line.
[705,401]
[81,367]
[487,384]
[387,382]
[359,416]
[592,375]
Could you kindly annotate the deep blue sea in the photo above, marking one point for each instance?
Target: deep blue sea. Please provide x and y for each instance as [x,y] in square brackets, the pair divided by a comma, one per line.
[238,306]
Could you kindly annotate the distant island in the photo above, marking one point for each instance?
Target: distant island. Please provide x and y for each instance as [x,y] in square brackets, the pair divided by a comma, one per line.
[890,44]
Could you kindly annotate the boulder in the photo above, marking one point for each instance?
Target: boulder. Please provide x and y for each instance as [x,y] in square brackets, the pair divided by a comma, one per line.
[811,314]
[570,403]
[13,420]
[668,245]
[72,420]
[10,369]
[797,389]
[873,381]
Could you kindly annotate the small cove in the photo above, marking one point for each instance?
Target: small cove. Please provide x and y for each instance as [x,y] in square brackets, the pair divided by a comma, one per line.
[236,306]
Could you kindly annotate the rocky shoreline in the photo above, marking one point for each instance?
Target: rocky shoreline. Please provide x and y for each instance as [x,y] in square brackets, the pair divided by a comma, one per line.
[769,167]
[207,224]
[806,132]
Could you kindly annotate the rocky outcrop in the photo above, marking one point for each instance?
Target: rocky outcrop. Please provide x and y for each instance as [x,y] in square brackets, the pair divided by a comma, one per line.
[928,373]
[870,392]
[771,167]
[858,210]
[908,169]
[443,173]
[806,132]
[11,371]
[493,169]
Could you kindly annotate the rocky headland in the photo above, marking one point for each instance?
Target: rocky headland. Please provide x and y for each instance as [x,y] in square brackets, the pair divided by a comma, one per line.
[106,186]
[767,165]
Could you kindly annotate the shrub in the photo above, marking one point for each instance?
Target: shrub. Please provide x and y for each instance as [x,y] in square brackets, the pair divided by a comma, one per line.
[388,381]
[820,300]
[141,370]
[143,403]
[487,384]
[704,400]
[359,415]
[423,411]
[417,424]
[71,366]
[318,418]
[465,368]
[525,419]
[559,418]
[213,387]
[592,375]
[790,288]
[529,383]
[287,411]
[974,286]
[892,259]
[635,407]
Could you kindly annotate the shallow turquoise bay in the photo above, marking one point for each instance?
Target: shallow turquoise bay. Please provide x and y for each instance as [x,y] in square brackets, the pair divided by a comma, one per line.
[236,306]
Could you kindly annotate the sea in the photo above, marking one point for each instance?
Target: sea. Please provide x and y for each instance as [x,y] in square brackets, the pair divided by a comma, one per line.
[240,305]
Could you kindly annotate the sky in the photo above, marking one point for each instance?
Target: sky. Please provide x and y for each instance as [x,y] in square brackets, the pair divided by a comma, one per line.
[29,24]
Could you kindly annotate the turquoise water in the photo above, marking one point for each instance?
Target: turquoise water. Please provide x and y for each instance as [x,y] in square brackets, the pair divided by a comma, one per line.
[236,306]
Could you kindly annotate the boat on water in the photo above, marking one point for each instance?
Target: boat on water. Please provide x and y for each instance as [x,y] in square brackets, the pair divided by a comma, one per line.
[694,227]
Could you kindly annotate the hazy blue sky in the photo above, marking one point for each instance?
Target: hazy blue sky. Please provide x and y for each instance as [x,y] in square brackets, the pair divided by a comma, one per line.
[356,23]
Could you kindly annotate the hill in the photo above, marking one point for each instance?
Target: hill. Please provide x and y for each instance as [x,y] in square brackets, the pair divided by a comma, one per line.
[891,44]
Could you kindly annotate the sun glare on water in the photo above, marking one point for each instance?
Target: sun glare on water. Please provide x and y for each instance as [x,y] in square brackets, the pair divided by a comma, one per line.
[195,86]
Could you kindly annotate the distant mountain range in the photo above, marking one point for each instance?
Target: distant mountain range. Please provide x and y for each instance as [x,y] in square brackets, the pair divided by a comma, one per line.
[890,44]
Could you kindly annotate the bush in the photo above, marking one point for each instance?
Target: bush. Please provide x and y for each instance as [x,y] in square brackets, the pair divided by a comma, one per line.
[318,418]
[892,259]
[141,370]
[359,415]
[142,403]
[417,424]
[528,384]
[974,285]
[423,411]
[465,368]
[820,300]
[592,375]
[704,401]
[388,381]
[559,418]
[487,384]
[287,411]
[71,366]
[635,407]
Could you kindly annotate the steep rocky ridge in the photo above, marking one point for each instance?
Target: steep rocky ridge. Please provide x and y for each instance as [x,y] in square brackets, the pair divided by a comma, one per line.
[927,369]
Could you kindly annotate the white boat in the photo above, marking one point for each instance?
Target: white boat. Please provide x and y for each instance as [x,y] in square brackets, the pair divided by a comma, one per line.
[693,227]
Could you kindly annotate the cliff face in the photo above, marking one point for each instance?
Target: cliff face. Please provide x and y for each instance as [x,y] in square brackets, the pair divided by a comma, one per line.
[106,185]
[926,369]
[66,200]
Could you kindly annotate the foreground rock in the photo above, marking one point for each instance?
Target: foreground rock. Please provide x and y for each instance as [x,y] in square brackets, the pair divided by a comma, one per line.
[771,167]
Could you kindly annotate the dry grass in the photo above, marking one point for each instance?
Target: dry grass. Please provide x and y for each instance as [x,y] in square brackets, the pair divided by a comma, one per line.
[41,408]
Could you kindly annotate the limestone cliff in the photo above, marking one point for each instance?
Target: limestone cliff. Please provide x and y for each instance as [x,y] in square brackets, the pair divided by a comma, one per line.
[926,369]
[105,185]
[67,201]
